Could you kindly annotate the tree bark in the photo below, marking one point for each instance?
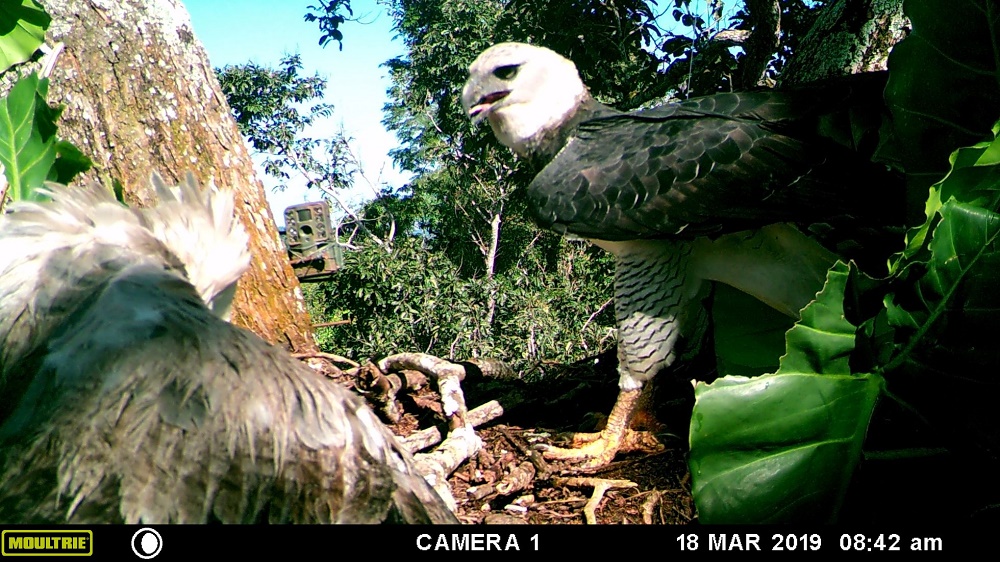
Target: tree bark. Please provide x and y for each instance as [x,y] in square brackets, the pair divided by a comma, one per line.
[849,36]
[141,96]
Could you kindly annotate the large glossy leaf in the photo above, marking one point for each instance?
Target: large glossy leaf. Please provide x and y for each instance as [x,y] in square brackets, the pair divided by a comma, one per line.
[974,178]
[944,81]
[783,447]
[22,31]
[27,136]
[955,303]
[950,259]
[822,341]
[944,311]
[778,448]
[746,348]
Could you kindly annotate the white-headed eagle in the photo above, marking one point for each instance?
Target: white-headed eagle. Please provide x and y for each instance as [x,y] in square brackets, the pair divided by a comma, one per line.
[128,398]
[683,194]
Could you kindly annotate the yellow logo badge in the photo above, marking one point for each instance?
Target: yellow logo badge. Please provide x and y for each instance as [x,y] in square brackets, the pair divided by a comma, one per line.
[48,543]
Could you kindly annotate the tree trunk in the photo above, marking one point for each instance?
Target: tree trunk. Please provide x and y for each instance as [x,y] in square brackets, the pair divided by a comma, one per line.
[849,36]
[140,97]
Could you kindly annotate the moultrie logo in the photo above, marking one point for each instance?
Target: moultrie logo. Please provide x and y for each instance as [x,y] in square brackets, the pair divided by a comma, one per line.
[48,543]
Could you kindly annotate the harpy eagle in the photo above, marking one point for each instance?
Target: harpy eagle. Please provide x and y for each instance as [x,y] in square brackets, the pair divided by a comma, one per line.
[684,194]
[129,398]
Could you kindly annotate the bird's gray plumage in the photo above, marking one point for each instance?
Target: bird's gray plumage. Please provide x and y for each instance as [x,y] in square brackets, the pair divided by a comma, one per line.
[126,399]
[680,193]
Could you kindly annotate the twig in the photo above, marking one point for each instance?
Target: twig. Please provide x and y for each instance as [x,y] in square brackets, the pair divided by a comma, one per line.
[534,456]
[334,323]
[647,507]
[329,356]
[462,441]
[380,389]
[518,479]
[600,486]
[556,514]
[424,438]
[591,318]
[438,464]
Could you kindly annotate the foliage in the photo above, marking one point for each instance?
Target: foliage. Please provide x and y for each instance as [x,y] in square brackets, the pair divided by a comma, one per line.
[267,105]
[931,320]
[943,90]
[329,17]
[521,295]
[784,447]
[22,31]
[415,298]
[30,150]
[27,136]
[697,62]
[944,315]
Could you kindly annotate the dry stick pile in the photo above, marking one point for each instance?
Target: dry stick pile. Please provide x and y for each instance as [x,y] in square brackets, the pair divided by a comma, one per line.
[382,383]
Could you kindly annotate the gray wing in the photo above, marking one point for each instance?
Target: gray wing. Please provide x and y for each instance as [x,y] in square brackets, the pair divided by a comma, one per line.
[148,408]
[710,165]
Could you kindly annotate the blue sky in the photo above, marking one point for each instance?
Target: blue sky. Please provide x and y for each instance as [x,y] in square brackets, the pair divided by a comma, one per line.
[261,31]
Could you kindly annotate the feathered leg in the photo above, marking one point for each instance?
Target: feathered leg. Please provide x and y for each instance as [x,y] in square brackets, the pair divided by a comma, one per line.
[659,315]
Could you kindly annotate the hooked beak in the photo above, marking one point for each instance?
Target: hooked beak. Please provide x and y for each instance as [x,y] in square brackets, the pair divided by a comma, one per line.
[482,108]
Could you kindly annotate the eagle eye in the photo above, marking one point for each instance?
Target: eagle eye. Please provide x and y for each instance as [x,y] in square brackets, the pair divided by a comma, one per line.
[506,72]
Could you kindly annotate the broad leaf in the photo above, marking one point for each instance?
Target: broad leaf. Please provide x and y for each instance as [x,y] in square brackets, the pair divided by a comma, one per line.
[944,81]
[952,247]
[822,341]
[778,448]
[70,162]
[27,136]
[955,300]
[746,348]
[22,31]
[974,178]
[944,309]
[783,447]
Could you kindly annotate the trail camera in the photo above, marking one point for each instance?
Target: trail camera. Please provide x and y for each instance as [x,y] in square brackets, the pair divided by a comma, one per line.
[311,242]
[307,226]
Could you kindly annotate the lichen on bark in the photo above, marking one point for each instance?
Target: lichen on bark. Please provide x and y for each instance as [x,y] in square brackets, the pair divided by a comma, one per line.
[141,96]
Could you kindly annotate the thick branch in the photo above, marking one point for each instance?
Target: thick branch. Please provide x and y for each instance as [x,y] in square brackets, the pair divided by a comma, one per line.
[762,43]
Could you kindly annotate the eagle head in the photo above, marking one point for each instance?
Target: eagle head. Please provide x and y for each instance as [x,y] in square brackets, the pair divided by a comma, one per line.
[526,92]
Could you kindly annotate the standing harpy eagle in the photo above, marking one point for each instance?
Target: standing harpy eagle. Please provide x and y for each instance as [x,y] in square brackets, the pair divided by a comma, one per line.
[684,194]
[127,399]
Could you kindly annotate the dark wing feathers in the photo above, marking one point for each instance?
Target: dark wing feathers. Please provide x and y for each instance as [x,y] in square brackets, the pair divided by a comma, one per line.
[709,165]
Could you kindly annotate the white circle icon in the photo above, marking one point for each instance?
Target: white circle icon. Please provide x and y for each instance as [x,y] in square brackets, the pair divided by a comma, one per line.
[147,543]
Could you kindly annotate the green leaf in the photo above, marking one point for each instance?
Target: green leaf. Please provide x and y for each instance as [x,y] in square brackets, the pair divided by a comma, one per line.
[22,31]
[746,348]
[783,447]
[974,178]
[27,136]
[956,299]
[70,162]
[822,341]
[943,89]
[950,260]
[778,448]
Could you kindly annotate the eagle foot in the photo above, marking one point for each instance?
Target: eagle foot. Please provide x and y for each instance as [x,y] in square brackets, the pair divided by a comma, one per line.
[595,450]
